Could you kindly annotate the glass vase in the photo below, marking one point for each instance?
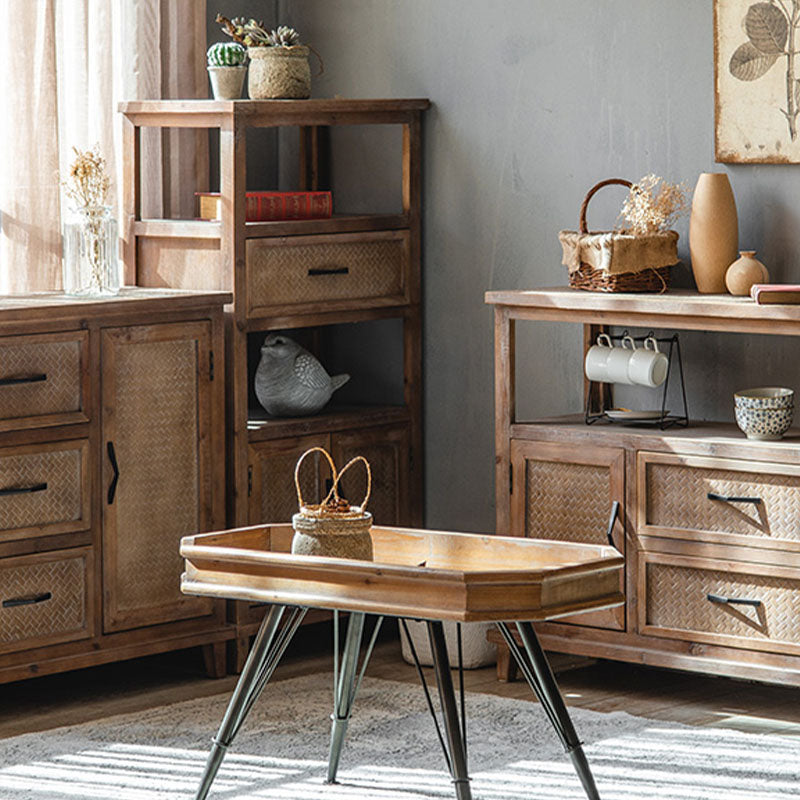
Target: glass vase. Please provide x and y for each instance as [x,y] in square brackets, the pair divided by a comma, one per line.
[91,252]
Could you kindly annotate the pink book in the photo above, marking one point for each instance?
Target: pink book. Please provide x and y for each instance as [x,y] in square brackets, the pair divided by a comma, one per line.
[764,293]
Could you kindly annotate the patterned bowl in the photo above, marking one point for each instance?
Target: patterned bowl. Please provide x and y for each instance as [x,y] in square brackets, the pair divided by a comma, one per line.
[764,414]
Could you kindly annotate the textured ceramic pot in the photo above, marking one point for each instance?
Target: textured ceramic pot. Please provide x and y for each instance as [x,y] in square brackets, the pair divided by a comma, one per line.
[713,231]
[744,272]
[279,72]
[227,82]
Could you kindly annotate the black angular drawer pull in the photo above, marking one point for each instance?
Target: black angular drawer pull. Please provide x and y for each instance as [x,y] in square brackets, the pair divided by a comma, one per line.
[38,378]
[112,457]
[732,601]
[27,600]
[724,498]
[314,271]
[37,487]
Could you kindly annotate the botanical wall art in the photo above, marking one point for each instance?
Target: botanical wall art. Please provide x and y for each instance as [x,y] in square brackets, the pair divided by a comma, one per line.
[757,66]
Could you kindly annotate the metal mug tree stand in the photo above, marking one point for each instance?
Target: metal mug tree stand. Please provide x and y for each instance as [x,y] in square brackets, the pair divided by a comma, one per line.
[664,420]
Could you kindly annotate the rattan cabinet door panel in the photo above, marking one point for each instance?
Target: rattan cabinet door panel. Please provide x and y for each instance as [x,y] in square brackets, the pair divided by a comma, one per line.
[566,493]
[387,449]
[44,489]
[157,472]
[270,477]
[43,380]
[45,599]
[697,599]
[719,500]
[305,273]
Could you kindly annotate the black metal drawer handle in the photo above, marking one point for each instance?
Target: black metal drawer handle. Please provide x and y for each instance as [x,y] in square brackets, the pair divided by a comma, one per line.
[733,601]
[611,520]
[38,378]
[724,498]
[112,457]
[37,487]
[314,271]
[27,600]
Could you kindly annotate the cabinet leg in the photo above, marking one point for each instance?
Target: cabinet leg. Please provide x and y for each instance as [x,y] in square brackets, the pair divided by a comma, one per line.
[237,653]
[506,666]
[214,659]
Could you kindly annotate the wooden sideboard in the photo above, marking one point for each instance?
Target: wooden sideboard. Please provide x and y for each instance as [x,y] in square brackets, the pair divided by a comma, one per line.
[111,450]
[688,550]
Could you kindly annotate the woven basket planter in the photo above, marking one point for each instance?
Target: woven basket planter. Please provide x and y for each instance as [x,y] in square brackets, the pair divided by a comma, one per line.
[279,73]
[609,261]
[333,528]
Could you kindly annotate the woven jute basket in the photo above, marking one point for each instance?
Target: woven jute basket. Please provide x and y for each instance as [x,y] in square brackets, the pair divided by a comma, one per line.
[332,527]
[279,73]
[610,261]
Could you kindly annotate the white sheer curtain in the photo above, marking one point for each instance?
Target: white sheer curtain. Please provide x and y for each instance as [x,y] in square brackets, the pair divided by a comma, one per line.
[65,66]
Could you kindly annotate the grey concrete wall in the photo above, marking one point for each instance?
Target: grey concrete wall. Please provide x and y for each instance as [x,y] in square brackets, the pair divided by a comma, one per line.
[534,102]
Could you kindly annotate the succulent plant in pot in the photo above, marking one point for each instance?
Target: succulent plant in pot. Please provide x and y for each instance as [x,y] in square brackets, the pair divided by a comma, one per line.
[226,69]
[278,61]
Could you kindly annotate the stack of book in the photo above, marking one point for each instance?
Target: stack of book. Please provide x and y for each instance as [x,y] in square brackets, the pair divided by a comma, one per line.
[769,293]
[271,206]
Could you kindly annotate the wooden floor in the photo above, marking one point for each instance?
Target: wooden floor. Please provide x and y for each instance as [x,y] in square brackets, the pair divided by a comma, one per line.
[90,694]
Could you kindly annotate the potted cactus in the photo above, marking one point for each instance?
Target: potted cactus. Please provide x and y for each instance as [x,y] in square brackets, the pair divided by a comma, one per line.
[278,61]
[226,69]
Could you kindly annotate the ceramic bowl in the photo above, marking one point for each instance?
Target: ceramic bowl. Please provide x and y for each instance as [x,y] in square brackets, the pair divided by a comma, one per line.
[765,413]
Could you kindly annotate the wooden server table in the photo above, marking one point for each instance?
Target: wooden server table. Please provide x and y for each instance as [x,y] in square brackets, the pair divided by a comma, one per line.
[429,575]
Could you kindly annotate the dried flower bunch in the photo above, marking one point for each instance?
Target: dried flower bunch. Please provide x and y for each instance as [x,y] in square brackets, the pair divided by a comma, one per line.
[653,206]
[251,33]
[88,181]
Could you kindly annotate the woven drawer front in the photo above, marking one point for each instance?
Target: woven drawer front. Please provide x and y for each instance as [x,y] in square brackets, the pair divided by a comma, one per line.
[40,488]
[567,501]
[40,375]
[677,599]
[677,497]
[43,599]
[278,493]
[309,271]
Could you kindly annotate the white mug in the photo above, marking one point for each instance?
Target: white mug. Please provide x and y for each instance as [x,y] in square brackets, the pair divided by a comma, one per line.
[647,366]
[606,363]
[596,359]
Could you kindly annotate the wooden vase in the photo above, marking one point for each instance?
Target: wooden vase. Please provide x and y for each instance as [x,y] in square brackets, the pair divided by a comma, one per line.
[713,231]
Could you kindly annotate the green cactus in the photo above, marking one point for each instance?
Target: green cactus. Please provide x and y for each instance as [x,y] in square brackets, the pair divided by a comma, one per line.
[226,54]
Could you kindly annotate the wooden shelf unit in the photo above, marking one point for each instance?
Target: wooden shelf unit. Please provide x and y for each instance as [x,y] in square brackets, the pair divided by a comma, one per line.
[90,389]
[557,477]
[273,271]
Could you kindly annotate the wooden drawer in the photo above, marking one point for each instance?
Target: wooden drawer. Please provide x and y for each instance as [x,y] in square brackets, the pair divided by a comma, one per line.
[44,489]
[43,380]
[673,500]
[330,272]
[44,598]
[674,602]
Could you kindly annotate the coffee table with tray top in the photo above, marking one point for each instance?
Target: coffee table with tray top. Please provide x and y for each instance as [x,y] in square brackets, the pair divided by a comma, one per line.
[415,574]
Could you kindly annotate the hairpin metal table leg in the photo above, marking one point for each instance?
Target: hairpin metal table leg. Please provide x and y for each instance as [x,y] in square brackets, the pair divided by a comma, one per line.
[541,680]
[264,655]
[456,744]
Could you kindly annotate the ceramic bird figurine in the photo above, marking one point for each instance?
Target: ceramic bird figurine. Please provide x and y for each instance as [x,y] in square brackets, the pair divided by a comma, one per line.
[290,382]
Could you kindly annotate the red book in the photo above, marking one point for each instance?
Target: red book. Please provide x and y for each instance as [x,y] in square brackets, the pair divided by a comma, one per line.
[769,293]
[271,206]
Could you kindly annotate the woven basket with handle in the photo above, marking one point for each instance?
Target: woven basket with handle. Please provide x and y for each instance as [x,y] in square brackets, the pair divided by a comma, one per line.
[611,261]
[332,527]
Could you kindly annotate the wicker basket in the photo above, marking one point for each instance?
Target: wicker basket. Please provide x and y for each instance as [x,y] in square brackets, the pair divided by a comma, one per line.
[333,527]
[609,261]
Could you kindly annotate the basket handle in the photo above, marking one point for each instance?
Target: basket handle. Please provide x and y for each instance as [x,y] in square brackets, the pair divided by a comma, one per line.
[369,480]
[334,474]
[610,181]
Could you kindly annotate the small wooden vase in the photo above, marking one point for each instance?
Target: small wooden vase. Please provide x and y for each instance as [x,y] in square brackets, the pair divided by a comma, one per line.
[713,232]
[744,272]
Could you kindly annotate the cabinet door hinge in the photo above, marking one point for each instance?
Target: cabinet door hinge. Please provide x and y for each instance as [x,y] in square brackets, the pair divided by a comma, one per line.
[211,365]
[249,481]
[511,479]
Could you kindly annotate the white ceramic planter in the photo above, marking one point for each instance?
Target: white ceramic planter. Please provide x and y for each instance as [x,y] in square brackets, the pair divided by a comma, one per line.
[227,82]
